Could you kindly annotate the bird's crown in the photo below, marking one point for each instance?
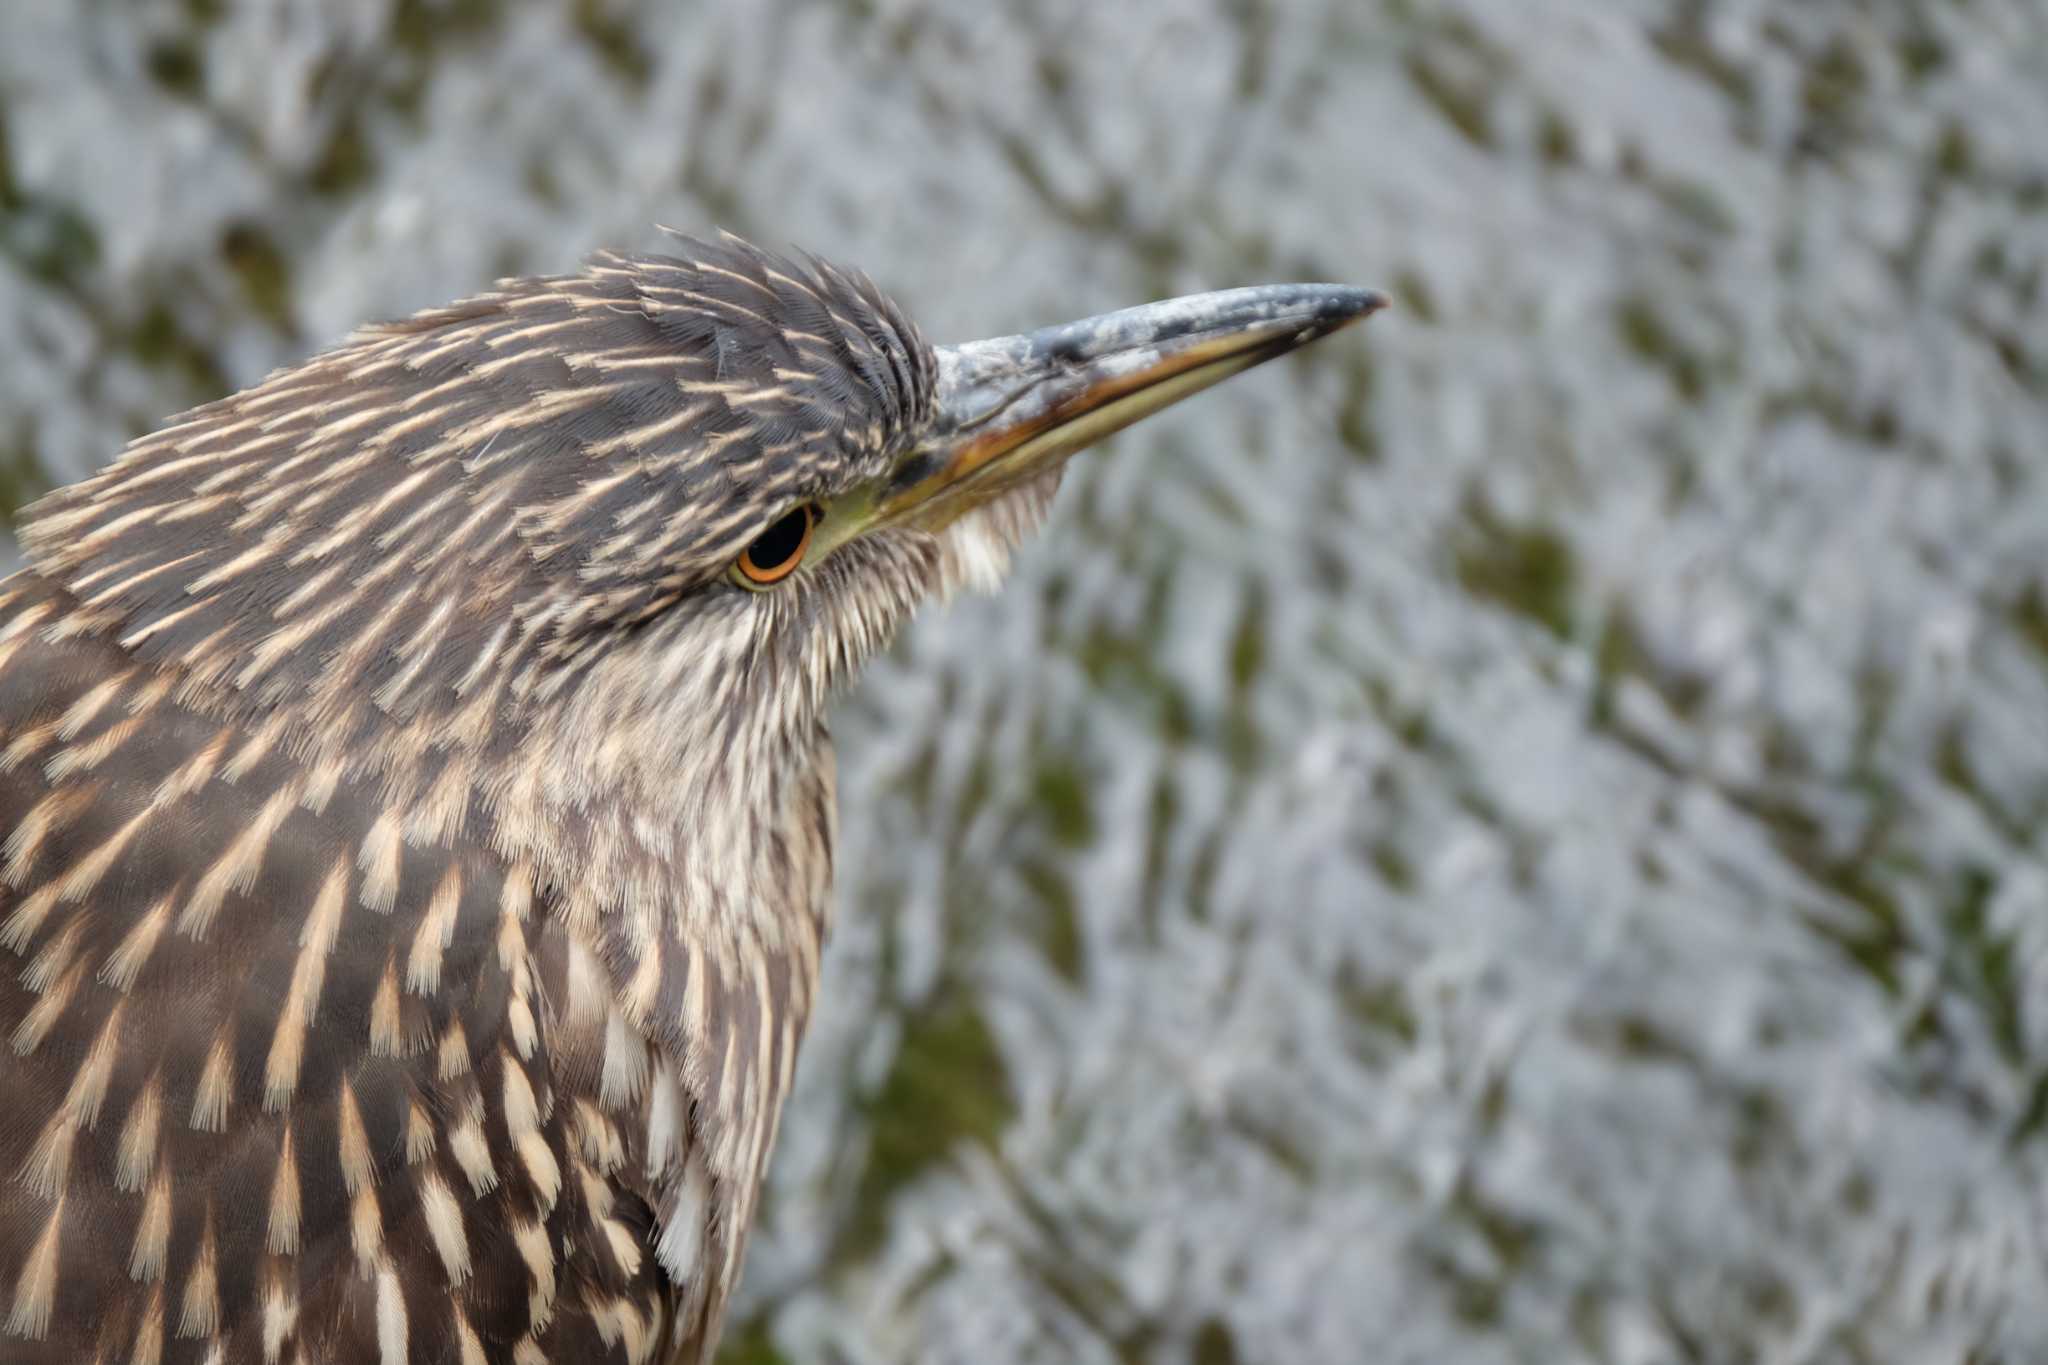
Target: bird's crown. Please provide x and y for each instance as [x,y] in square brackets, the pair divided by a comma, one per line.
[483,487]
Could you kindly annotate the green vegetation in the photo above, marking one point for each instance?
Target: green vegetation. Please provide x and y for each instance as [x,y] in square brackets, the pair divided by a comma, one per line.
[949,1085]
[1530,570]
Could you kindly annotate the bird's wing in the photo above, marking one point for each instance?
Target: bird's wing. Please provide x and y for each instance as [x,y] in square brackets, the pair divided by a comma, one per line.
[274,1084]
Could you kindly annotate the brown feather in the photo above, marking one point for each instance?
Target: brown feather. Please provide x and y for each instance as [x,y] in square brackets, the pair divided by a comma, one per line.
[413,861]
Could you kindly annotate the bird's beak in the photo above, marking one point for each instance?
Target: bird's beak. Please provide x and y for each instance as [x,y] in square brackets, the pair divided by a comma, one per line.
[1011,408]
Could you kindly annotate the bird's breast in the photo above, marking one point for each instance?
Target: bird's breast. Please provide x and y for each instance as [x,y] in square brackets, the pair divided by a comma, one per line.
[306,1062]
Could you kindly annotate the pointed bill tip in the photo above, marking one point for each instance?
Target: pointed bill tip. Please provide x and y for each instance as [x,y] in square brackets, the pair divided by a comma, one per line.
[1348,303]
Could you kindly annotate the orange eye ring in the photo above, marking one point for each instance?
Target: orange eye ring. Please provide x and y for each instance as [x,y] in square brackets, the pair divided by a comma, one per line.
[777,551]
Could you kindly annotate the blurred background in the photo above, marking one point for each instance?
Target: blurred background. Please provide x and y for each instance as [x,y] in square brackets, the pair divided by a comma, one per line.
[1515,835]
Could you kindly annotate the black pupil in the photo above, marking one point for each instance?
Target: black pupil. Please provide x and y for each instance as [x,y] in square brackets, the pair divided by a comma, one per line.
[780,542]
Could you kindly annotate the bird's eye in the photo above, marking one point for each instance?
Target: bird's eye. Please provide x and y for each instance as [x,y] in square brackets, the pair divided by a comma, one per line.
[777,551]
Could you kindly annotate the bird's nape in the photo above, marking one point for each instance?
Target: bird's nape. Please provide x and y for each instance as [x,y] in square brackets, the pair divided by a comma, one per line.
[416,807]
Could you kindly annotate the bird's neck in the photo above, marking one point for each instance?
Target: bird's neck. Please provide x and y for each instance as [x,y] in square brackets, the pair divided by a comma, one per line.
[678,852]
[700,905]
[683,840]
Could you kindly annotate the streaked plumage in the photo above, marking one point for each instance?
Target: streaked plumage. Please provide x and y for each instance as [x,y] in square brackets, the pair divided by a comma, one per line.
[414,855]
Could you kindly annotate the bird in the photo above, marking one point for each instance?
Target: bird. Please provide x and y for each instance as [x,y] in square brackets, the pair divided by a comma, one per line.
[417,802]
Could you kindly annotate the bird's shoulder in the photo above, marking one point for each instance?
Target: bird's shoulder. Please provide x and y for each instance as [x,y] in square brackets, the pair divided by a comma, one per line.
[280,1083]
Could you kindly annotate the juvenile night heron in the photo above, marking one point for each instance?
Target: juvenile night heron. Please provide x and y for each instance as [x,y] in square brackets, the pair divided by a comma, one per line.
[418,809]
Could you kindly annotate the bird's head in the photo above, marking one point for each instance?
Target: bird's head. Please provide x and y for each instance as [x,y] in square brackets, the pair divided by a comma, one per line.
[633,523]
